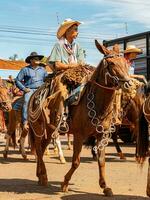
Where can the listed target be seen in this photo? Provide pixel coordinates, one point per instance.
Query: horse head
(5, 100)
(113, 69)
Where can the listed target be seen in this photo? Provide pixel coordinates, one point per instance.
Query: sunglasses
(36, 58)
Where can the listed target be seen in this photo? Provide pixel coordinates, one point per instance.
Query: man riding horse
(66, 54)
(29, 79)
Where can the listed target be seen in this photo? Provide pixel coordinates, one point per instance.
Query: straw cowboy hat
(33, 55)
(66, 24)
(132, 49)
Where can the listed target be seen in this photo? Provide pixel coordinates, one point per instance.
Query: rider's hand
(144, 79)
(26, 90)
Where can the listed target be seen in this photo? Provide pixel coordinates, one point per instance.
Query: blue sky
(31, 25)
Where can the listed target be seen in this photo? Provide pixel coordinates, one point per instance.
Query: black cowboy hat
(33, 55)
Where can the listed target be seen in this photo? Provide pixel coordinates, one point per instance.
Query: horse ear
(116, 48)
(101, 48)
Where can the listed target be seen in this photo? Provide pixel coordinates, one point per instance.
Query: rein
(103, 87)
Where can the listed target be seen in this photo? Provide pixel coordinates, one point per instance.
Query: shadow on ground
(21, 186)
(88, 196)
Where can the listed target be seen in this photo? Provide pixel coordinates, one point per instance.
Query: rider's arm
(55, 59)
(61, 66)
(19, 79)
(139, 76)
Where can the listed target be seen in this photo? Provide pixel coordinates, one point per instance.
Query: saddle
(73, 77)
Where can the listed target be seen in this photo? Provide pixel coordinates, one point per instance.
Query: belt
(34, 88)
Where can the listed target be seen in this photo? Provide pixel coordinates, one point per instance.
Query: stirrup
(63, 125)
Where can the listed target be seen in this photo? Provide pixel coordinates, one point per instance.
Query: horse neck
(103, 97)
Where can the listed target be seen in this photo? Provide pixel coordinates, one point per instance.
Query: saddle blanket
(17, 105)
(75, 95)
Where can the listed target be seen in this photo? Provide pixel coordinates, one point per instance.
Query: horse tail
(142, 142)
(13, 138)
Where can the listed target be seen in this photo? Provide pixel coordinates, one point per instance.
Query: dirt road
(18, 180)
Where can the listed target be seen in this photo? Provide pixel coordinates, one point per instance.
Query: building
(9, 67)
(141, 40)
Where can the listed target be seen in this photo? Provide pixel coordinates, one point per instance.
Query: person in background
(130, 54)
(29, 79)
(66, 54)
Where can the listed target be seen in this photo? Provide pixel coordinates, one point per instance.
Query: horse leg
(69, 142)
(93, 150)
(41, 170)
(119, 151)
(101, 163)
(47, 151)
(8, 137)
(22, 141)
(55, 146)
(148, 179)
(77, 146)
(60, 152)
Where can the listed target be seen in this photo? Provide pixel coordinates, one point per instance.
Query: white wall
(4, 73)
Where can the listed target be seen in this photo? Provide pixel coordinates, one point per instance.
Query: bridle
(3, 104)
(114, 79)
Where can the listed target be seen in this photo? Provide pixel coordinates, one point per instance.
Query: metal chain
(43, 130)
(95, 121)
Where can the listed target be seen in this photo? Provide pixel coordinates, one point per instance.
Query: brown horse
(15, 124)
(5, 100)
(143, 137)
(98, 96)
(14, 119)
(131, 109)
(5, 105)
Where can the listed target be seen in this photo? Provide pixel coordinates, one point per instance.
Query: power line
(38, 31)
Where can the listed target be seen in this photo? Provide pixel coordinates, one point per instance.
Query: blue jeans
(25, 104)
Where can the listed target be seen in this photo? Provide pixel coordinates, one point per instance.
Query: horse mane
(96, 71)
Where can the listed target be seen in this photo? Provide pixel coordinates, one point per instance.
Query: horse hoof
(62, 160)
(55, 150)
(5, 155)
(69, 148)
(108, 192)
(64, 187)
(43, 181)
(148, 193)
(121, 155)
(24, 157)
(47, 153)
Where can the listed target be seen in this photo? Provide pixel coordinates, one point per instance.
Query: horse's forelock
(116, 48)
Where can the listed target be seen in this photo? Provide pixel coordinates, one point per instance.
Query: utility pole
(57, 18)
(126, 28)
